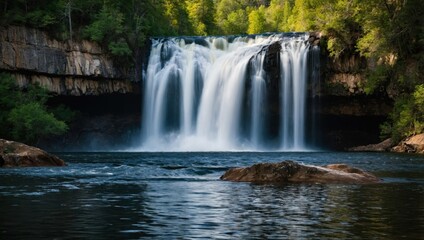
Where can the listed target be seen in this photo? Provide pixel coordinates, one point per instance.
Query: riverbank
(413, 144)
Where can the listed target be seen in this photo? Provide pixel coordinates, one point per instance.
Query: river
(179, 195)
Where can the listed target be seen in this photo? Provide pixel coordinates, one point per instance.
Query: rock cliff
(348, 116)
(81, 76)
(63, 67)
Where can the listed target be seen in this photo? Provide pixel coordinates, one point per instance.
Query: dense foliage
(24, 115)
(407, 117)
(387, 32)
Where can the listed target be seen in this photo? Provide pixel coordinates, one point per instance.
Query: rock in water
(15, 154)
(293, 172)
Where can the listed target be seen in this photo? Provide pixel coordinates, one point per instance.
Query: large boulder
(15, 154)
(293, 172)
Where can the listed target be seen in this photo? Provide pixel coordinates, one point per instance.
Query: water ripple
(179, 195)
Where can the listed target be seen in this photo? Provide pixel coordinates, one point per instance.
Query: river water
(179, 196)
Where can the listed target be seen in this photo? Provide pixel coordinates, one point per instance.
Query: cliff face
(84, 78)
(348, 116)
(342, 89)
(65, 68)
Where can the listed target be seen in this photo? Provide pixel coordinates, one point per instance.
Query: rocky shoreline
(413, 144)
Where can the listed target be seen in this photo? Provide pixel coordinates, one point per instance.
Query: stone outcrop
(414, 144)
(292, 172)
(63, 67)
(345, 75)
(314, 38)
(379, 147)
(14, 154)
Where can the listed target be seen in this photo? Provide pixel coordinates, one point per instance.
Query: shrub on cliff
(31, 121)
(407, 118)
(24, 115)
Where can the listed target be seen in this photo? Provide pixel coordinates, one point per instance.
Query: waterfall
(293, 64)
(215, 94)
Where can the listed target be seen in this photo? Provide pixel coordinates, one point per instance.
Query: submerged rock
(293, 172)
(15, 154)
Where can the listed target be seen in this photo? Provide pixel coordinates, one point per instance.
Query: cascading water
(213, 94)
(293, 64)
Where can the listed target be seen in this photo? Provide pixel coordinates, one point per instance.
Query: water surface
(180, 196)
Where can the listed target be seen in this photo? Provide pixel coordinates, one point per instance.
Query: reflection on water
(178, 195)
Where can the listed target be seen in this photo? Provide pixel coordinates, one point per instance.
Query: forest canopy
(387, 32)
(370, 27)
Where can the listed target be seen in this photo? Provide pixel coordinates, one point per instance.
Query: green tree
(407, 117)
(393, 35)
(231, 17)
(107, 24)
(299, 21)
(287, 9)
(257, 21)
(337, 21)
(177, 16)
(123, 27)
(31, 121)
(237, 22)
(275, 11)
(24, 115)
(10, 96)
(40, 14)
(200, 14)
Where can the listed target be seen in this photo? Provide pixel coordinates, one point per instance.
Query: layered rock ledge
(15, 154)
(293, 172)
(64, 67)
